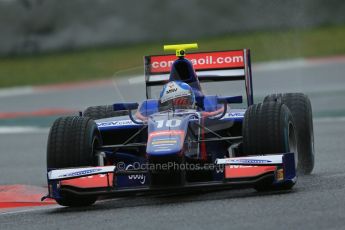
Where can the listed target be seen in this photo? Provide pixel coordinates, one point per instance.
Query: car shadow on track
(165, 199)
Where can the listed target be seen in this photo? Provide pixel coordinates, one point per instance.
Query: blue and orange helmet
(177, 95)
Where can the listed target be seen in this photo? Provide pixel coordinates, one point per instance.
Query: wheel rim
(293, 143)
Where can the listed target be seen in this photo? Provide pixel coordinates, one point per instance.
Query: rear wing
(209, 66)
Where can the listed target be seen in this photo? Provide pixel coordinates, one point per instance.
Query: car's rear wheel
(71, 143)
(268, 128)
(301, 110)
(103, 111)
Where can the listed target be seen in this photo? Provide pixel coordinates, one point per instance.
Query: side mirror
(128, 106)
(230, 100)
(125, 106)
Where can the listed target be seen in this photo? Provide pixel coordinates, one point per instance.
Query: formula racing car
(180, 138)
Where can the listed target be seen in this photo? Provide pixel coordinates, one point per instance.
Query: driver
(180, 95)
(176, 95)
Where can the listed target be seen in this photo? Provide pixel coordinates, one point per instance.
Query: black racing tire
(268, 128)
(71, 143)
(264, 129)
(301, 110)
(103, 111)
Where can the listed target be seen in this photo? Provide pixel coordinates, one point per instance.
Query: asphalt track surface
(316, 202)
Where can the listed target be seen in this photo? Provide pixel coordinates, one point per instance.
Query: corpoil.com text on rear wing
(209, 66)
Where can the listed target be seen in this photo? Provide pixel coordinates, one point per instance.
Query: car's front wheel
(268, 128)
(71, 143)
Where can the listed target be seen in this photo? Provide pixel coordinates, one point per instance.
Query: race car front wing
(234, 172)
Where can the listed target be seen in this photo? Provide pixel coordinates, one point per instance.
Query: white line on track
(329, 119)
(22, 129)
(39, 208)
(281, 65)
(16, 91)
(136, 80)
(27, 209)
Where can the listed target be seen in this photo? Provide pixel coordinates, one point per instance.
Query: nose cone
(165, 142)
(166, 134)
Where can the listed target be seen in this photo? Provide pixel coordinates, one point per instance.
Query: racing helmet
(177, 95)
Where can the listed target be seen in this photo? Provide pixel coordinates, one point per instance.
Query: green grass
(97, 63)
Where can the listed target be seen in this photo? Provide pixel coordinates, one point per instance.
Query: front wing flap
(281, 166)
(106, 180)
